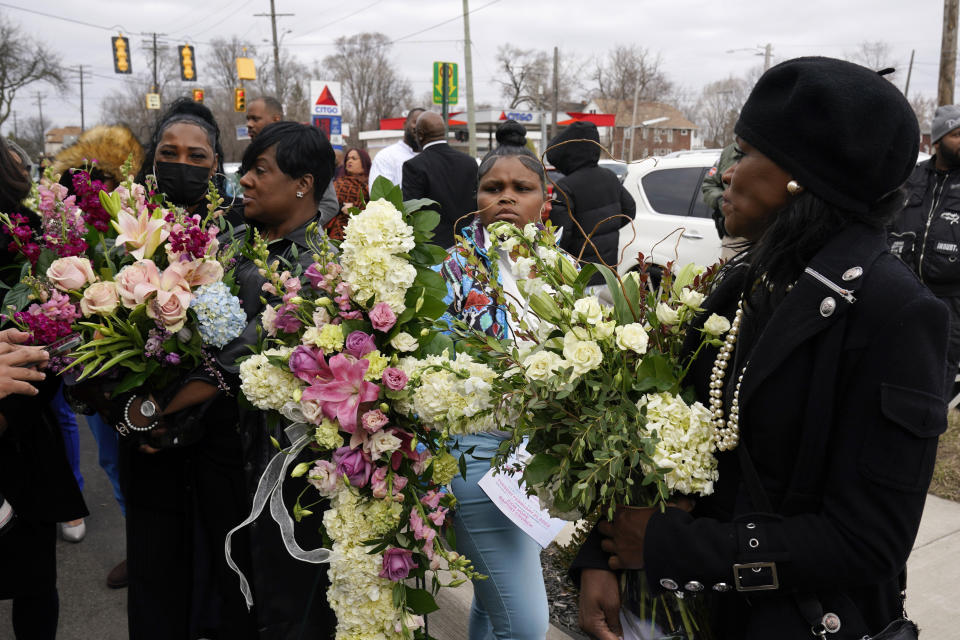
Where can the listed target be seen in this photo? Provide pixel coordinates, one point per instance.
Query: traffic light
(239, 99)
(188, 66)
(121, 54)
(198, 95)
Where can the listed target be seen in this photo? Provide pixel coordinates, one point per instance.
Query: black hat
(841, 130)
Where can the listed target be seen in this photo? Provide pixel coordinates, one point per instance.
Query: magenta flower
(353, 464)
(395, 379)
(314, 275)
(341, 396)
(397, 564)
(382, 317)
(359, 344)
(308, 364)
(405, 450)
(287, 320)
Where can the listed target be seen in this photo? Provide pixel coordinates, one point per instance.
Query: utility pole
(556, 91)
(43, 130)
(948, 54)
(83, 124)
(273, 15)
(906, 88)
(15, 134)
(468, 76)
(633, 121)
(154, 48)
(767, 56)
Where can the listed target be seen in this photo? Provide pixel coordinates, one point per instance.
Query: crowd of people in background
(850, 358)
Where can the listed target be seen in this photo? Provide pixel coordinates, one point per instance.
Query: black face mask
(183, 184)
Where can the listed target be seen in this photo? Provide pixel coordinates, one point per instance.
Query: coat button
(721, 587)
(693, 586)
(668, 583)
(831, 622)
(852, 274)
(827, 307)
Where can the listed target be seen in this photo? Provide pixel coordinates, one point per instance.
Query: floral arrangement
(350, 352)
(598, 388)
(146, 285)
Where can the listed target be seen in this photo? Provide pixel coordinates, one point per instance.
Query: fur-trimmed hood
(109, 145)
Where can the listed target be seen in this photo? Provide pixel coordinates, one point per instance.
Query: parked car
(672, 222)
(231, 170)
(619, 167)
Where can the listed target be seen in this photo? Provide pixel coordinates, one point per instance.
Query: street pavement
(89, 610)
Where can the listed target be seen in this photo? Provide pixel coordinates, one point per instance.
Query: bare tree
(30, 136)
(372, 87)
(924, 108)
(875, 55)
(24, 61)
(525, 75)
(718, 109)
(631, 68)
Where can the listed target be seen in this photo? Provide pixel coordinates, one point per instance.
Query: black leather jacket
(926, 234)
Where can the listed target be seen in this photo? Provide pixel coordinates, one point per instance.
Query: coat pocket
(900, 452)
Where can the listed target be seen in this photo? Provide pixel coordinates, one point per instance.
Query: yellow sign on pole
(246, 69)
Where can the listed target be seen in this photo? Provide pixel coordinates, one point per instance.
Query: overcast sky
(692, 36)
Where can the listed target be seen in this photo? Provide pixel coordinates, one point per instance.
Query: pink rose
(131, 276)
(324, 477)
(353, 464)
(170, 307)
(395, 379)
(373, 420)
(397, 564)
(71, 273)
(359, 344)
(99, 298)
(382, 317)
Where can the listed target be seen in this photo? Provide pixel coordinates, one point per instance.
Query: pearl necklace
(726, 432)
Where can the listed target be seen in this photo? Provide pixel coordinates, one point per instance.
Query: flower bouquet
(348, 355)
(597, 392)
(146, 286)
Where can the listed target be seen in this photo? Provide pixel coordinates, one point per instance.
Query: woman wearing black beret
(829, 397)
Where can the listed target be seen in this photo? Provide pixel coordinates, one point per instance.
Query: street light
(766, 51)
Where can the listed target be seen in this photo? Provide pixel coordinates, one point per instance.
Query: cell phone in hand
(64, 345)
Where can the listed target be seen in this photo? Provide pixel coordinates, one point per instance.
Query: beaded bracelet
(126, 418)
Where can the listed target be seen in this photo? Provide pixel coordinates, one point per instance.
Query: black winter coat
(591, 196)
(840, 407)
(449, 177)
(926, 234)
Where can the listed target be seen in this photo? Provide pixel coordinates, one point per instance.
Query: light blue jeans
(511, 604)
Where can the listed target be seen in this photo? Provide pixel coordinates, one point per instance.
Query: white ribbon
(271, 487)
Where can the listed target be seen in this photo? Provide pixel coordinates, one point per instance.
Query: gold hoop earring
(793, 187)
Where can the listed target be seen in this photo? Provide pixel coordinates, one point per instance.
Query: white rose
(100, 298)
(522, 267)
(666, 315)
(604, 330)
(691, 298)
(589, 309)
(381, 443)
(509, 244)
(632, 337)
(716, 325)
(321, 317)
(548, 255)
(405, 342)
(541, 365)
(582, 355)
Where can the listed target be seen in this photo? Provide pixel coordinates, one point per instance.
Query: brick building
(675, 133)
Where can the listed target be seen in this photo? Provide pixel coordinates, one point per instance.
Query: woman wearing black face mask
(185, 155)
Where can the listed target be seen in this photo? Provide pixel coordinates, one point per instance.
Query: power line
(440, 24)
(349, 15)
(56, 17)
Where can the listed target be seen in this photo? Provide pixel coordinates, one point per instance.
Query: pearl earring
(299, 194)
(793, 187)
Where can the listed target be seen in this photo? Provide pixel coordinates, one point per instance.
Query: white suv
(672, 222)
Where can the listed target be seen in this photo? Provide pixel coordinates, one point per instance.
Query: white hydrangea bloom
(266, 386)
(686, 446)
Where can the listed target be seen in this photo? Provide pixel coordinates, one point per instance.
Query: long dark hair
(190, 112)
(14, 183)
(797, 233)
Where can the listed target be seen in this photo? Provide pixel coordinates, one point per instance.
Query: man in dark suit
(441, 174)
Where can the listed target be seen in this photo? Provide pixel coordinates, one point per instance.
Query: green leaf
(383, 188)
(437, 345)
(432, 281)
(621, 310)
(586, 272)
(425, 221)
(540, 468)
(411, 206)
(18, 297)
(420, 601)
(132, 382)
(44, 261)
